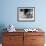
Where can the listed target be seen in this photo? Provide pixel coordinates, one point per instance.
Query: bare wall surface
(8, 13)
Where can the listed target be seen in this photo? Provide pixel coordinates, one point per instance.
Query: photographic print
(26, 13)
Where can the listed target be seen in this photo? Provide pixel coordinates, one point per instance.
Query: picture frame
(26, 14)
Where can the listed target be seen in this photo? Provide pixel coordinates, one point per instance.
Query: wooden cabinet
(13, 39)
(34, 39)
(23, 39)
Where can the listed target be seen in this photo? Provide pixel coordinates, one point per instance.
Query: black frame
(25, 8)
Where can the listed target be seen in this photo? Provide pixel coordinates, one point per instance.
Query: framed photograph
(26, 14)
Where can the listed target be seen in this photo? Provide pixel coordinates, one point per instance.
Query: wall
(9, 13)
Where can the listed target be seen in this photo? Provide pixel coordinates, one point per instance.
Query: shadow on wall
(2, 26)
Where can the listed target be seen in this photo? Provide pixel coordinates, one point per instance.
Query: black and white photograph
(26, 13)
